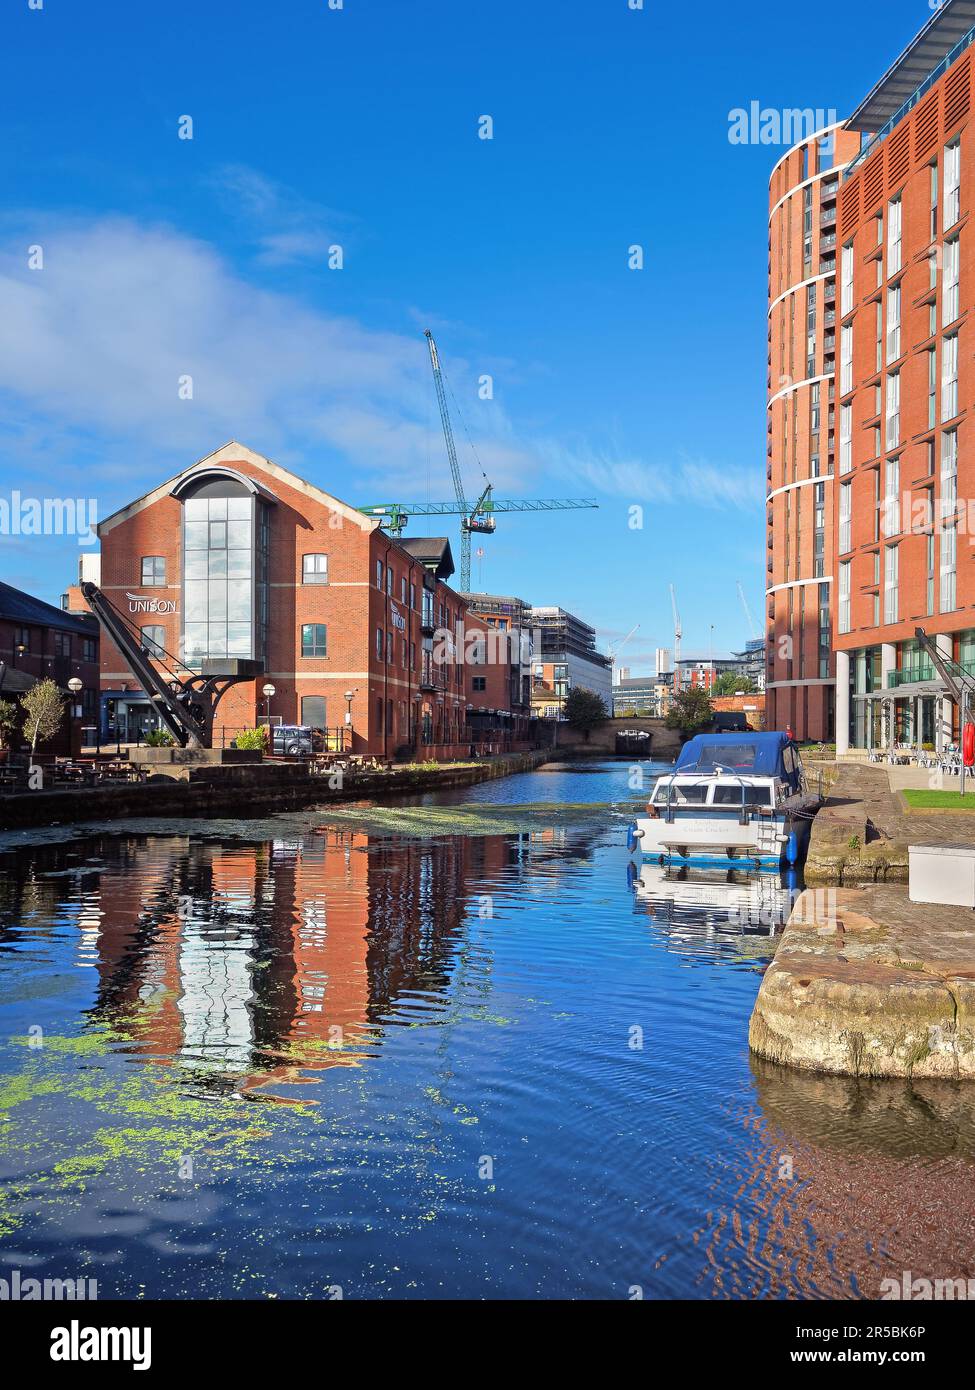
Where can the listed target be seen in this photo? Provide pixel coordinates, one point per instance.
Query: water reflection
(244, 963)
(706, 909)
(336, 1025)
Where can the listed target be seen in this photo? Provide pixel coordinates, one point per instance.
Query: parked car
(293, 740)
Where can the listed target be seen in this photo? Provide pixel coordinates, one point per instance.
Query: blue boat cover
(753, 754)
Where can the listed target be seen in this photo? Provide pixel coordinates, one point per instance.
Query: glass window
(238, 535)
(152, 638)
(844, 605)
(313, 640)
(222, 593)
(949, 377)
(153, 570)
(846, 279)
(894, 237)
(733, 796)
(314, 569)
(893, 323)
(949, 284)
(846, 490)
(893, 410)
(846, 438)
(681, 794)
(952, 183)
(890, 584)
(846, 358)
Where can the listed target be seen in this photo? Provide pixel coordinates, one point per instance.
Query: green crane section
(395, 515)
(477, 519)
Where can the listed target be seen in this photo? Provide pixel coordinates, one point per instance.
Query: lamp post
(267, 692)
(75, 686)
(349, 696)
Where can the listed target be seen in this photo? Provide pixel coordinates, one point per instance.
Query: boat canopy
(743, 755)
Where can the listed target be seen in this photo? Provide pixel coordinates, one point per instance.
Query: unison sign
(139, 604)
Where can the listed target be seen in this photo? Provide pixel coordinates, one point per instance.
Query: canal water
(457, 1048)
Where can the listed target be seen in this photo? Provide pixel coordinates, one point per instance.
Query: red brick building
(41, 642)
(239, 557)
(801, 425)
(905, 470)
(499, 690)
(870, 389)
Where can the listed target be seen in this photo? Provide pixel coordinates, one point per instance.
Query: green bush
(253, 740)
(159, 738)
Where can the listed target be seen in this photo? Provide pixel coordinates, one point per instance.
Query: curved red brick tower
(801, 441)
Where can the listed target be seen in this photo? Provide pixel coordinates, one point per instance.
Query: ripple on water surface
(451, 1048)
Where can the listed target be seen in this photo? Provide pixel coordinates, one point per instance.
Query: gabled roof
(18, 607)
(226, 456)
(433, 552)
(13, 681)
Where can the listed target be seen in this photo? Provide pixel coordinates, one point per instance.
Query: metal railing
(933, 76)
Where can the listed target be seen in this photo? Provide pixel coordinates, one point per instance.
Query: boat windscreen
(740, 756)
(742, 794)
(681, 794)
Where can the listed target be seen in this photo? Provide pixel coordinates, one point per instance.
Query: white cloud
(95, 344)
(93, 348)
(682, 480)
(285, 227)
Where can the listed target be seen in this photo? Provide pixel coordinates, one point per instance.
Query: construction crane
(480, 517)
(678, 634)
(470, 520)
(748, 611)
(395, 515)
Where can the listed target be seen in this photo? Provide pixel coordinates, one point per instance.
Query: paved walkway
(863, 832)
(864, 981)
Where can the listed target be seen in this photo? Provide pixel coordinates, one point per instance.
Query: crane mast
(481, 517)
(469, 521)
(678, 634)
(748, 611)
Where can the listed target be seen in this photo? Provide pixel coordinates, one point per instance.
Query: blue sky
(358, 127)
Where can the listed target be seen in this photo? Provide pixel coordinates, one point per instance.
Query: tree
(730, 683)
(8, 721)
(584, 709)
(690, 710)
(44, 707)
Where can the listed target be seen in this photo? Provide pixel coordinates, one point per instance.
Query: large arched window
(225, 591)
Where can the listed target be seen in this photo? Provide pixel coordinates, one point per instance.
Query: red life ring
(968, 745)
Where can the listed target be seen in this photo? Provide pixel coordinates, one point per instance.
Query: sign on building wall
(140, 604)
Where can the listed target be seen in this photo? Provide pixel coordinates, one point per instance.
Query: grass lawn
(924, 800)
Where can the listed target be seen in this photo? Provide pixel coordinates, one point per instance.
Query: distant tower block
(661, 661)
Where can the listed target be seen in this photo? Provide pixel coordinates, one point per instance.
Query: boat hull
(718, 842)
